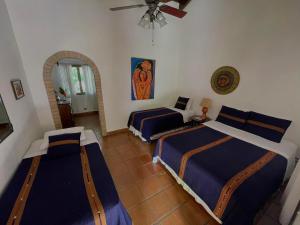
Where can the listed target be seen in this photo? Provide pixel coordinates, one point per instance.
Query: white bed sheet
(187, 114)
(35, 150)
(286, 148)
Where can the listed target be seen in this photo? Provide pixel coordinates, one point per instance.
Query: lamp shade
(206, 102)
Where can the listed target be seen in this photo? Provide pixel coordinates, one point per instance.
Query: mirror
(6, 127)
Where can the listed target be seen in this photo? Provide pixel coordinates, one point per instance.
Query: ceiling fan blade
(127, 7)
(182, 3)
(172, 11)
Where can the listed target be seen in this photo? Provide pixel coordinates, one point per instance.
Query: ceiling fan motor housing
(149, 2)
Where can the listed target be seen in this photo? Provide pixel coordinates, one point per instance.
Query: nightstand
(196, 121)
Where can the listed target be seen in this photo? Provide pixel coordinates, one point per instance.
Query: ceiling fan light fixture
(160, 16)
(162, 23)
(145, 21)
(147, 16)
(152, 26)
(142, 23)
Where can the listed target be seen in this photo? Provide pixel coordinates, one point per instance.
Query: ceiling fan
(154, 12)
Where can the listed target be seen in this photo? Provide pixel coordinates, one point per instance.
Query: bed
(230, 172)
(151, 124)
(72, 189)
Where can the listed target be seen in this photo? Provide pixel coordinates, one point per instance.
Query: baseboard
(117, 131)
(85, 114)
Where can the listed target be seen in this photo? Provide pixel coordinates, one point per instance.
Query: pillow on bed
(267, 127)
(189, 104)
(71, 130)
(182, 103)
(232, 117)
(64, 144)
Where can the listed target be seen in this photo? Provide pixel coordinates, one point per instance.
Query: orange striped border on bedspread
(267, 126)
(236, 181)
(63, 142)
(232, 117)
(154, 117)
(163, 138)
(94, 200)
(19, 206)
(147, 110)
(193, 152)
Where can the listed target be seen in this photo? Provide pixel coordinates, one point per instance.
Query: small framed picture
(17, 88)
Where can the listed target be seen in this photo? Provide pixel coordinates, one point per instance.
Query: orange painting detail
(142, 79)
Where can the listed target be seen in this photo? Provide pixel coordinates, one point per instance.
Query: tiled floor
(149, 193)
(89, 122)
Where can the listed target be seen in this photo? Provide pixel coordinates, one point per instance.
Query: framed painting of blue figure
(142, 78)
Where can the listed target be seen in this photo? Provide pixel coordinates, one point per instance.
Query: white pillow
(71, 130)
(189, 104)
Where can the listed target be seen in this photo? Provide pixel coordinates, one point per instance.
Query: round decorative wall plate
(225, 80)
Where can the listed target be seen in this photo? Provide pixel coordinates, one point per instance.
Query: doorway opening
(74, 91)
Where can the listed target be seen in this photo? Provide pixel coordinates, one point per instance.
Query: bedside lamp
(205, 104)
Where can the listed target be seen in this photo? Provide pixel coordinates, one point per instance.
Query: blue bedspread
(154, 121)
(74, 189)
(234, 178)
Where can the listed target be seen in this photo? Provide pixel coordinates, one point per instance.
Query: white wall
(21, 113)
(109, 39)
(133, 41)
(260, 39)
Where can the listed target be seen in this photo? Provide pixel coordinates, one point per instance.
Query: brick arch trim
(47, 75)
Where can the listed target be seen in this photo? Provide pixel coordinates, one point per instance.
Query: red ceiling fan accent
(172, 11)
(182, 3)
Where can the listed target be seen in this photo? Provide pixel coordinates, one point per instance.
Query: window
(77, 80)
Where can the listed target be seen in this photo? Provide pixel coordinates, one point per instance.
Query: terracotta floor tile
(145, 158)
(161, 206)
(124, 179)
(141, 172)
(152, 185)
(108, 148)
(117, 168)
(131, 196)
(148, 191)
(113, 157)
(142, 215)
(195, 214)
(129, 155)
(155, 167)
(176, 194)
(166, 179)
(138, 161)
(175, 218)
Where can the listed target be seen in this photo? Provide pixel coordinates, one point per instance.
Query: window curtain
(62, 76)
(88, 77)
(90, 88)
(61, 79)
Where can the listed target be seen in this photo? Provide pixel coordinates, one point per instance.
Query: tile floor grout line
(151, 196)
(160, 219)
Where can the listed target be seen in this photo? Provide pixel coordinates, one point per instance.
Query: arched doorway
(47, 70)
